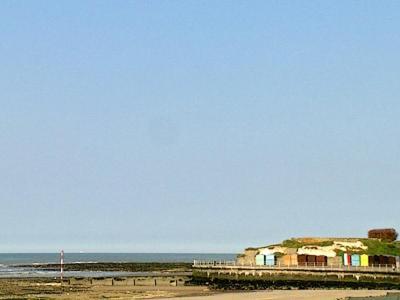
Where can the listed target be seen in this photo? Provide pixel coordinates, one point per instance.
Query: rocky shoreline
(287, 282)
(114, 267)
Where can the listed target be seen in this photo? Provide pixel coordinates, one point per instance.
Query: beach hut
(355, 260)
(287, 260)
(364, 260)
(392, 261)
(311, 260)
(336, 261)
(270, 260)
(302, 259)
(260, 260)
(373, 260)
(346, 259)
(383, 260)
(293, 259)
(321, 260)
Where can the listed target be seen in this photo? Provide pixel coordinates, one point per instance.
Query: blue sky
(196, 126)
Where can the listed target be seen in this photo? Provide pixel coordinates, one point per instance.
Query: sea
(21, 264)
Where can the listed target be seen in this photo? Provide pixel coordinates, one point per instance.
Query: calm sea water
(10, 263)
(31, 258)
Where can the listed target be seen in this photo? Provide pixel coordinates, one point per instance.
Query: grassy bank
(376, 247)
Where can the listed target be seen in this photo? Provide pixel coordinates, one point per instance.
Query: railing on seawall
(223, 264)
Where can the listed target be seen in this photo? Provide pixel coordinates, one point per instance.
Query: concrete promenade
(234, 267)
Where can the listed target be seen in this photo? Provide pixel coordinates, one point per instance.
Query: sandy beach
(36, 288)
(47, 288)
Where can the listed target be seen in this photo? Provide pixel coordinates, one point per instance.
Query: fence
(307, 266)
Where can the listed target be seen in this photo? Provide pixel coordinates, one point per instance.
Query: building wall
(288, 260)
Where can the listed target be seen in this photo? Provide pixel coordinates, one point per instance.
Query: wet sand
(45, 288)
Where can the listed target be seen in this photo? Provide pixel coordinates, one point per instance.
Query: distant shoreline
(94, 270)
(114, 266)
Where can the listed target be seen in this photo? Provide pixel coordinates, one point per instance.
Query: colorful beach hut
(355, 260)
(364, 260)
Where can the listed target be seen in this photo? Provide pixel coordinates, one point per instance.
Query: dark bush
(386, 234)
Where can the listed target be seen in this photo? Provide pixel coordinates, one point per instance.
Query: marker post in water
(62, 264)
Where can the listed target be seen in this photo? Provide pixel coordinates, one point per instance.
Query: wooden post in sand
(62, 265)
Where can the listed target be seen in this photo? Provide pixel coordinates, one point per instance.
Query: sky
(196, 126)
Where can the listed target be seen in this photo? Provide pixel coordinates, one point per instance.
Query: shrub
(385, 234)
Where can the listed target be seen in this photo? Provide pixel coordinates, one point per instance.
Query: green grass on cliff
(293, 243)
(377, 247)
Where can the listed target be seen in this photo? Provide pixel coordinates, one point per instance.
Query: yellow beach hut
(364, 260)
